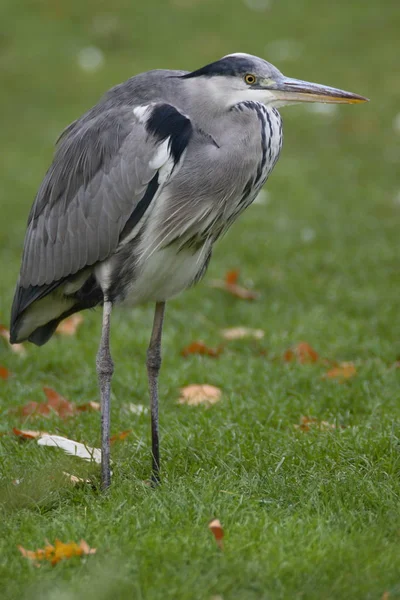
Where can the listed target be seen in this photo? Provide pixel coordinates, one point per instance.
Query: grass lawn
(311, 515)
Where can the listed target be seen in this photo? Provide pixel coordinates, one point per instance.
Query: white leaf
(71, 447)
(138, 409)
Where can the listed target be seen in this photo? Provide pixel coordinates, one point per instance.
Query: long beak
(295, 90)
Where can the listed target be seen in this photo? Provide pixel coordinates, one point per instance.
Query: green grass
(306, 515)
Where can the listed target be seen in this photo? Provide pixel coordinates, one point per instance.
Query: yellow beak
(295, 90)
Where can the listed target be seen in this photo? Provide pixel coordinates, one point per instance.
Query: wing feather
(98, 187)
(101, 170)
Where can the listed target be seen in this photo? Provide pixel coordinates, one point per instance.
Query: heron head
(240, 77)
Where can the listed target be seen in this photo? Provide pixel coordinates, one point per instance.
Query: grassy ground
(307, 514)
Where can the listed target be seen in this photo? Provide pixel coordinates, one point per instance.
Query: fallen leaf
(71, 447)
(195, 394)
(229, 284)
(70, 325)
(58, 403)
(385, 595)
(88, 406)
(120, 436)
(55, 404)
(28, 434)
(200, 348)
(59, 551)
(138, 409)
(241, 292)
(232, 277)
(85, 548)
(344, 370)
(17, 348)
(306, 423)
(216, 529)
(302, 353)
(74, 479)
(34, 408)
(239, 333)
(4, 373)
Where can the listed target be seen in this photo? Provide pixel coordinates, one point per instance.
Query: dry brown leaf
(239, 333)
(306, 423)
(229, 284)
(120, 436)
(4, 373)
(216, 529)
(236, 290)
(195, 394)
(88, 406)
(74, 479)
(57, 404)
(59, 551)
(70, 325)
(232, 277)
(28, 434)
(17, 348)
(31, 409)
(200, 347)
(344, 370)
(385, 595)
(302, 353)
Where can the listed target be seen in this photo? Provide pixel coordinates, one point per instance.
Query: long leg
(153, 368)
(105, 369)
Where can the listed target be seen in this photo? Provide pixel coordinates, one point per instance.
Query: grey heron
(139, 190)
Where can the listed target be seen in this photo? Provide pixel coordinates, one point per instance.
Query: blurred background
(322, 241)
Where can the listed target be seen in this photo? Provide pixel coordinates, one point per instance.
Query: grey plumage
(142, 186)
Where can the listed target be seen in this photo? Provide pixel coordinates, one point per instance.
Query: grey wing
(101, 173)
(106, 171)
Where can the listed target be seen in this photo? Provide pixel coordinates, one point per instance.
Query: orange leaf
(59, 551)
(120, 436)
(239, 333)
(241, 292)
(17, 348)
(216, 529)
(200, 348)
(4, 373)
(31, 554)
(195, 394)
(229, 284)
(34, 408)
(302, 352)
(306, 423)
(60, 405)
(88, 406)
(344, 370)
(231, 277)
(28, 434)
(55, 404)
(70, 325)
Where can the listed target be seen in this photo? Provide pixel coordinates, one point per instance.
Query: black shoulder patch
(230, 66)
(166, 121)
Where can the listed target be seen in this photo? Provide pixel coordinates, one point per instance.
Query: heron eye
(250, 79)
